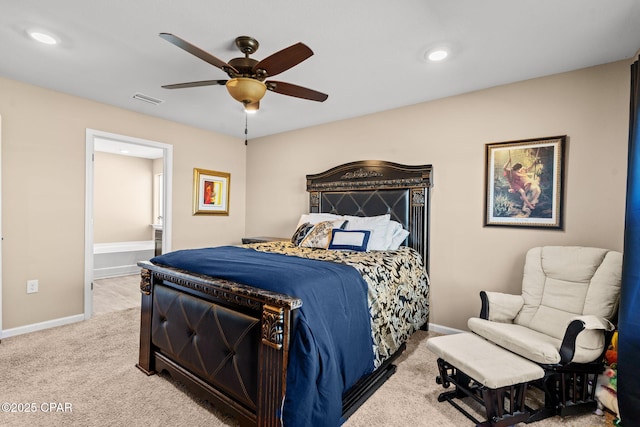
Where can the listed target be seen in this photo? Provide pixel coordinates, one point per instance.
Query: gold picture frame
(210, 192)
(524, 183)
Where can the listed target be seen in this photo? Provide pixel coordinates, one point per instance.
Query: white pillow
(378, 240)
(314, 218)
(393, 227)
(398, 235)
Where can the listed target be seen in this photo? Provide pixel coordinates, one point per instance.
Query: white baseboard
(443, 329)
(137, 246)
(120, 270)
(40, 326)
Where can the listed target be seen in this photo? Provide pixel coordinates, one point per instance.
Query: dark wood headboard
(375, 187)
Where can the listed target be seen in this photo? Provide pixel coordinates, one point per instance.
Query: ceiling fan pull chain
(246, 116)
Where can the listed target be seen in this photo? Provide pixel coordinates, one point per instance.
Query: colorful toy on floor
(607, 386)
(611, 355)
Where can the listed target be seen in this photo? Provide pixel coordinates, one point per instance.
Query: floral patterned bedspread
(398, 289)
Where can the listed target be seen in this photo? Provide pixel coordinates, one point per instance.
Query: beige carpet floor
(116, 293)
(84, 375)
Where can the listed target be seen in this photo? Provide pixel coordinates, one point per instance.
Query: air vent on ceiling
(147, 98)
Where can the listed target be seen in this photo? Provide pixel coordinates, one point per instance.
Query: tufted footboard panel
(217, 344)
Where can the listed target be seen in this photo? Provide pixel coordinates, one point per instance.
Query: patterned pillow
(320, 234)
(301, 233)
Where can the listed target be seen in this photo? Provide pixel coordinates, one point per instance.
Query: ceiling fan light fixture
(246, 90)
(251, 108)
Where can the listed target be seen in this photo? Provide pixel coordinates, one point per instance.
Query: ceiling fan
(247, 76)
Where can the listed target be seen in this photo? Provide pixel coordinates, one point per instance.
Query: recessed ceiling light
(43, 37)
(437, 55)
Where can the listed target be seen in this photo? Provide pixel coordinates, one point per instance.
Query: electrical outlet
(32, 286)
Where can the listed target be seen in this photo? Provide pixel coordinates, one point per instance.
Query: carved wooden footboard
(227, 342)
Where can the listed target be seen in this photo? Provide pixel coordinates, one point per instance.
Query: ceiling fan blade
(284, 59)
(195, 84)
(194, 50)
(297, 91)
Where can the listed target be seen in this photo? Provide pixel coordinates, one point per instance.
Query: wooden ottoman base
(489, 374)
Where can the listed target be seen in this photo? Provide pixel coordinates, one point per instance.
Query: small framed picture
(210, 192)
(524, 182)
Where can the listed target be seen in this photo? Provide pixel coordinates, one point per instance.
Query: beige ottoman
(493, 376)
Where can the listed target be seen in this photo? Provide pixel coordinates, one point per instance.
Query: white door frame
(91, 134)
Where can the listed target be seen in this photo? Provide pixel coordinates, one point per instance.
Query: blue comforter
(331, 346)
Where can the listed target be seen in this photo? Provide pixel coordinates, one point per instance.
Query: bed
(237, 343)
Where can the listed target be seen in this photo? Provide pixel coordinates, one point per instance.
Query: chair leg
(448, 375)
(566, 393)
(578, 392)
(549, 385)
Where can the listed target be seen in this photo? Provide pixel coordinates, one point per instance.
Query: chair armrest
(594, 322)
(577, 325)
(500, 307)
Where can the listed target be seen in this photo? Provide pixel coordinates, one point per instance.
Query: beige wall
(43, 177)
(43, 180)
(590, 106)
(123, 198)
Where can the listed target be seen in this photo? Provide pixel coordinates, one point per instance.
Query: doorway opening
(105, 142)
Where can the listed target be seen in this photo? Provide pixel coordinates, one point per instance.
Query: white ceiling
(368, 54)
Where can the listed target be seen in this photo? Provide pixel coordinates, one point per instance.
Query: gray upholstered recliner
(562, 321)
